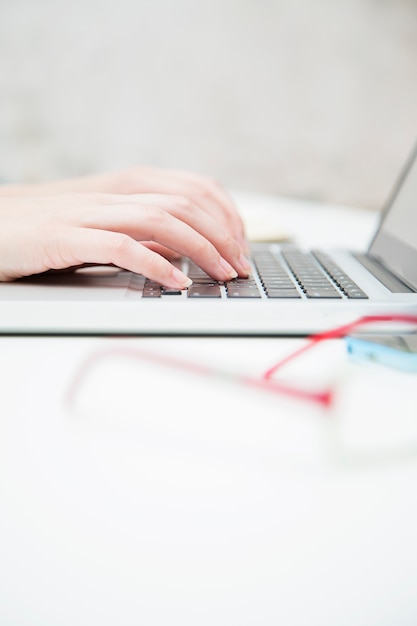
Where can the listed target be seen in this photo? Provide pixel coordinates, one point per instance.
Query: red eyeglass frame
(266, 382)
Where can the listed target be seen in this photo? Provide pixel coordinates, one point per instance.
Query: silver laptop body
(292, 291)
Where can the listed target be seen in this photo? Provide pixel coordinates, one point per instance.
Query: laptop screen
(395, 243)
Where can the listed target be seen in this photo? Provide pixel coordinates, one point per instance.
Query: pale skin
(139, 219)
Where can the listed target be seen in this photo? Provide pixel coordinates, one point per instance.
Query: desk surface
(150, 494)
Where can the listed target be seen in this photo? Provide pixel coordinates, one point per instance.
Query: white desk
(163, 497)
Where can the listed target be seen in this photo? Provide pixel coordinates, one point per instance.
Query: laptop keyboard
(295, 274)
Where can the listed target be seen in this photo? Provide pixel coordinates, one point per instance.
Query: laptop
(292, 291)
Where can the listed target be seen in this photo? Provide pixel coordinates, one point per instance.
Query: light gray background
(311, 98)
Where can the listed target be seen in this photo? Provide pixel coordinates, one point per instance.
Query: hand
(56, 232)
(203, 191)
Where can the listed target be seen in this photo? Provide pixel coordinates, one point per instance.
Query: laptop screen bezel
(398, 256)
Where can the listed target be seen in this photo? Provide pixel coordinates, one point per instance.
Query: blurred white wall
(305, 98)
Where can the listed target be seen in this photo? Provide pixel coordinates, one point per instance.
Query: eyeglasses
(334, 333)
(337, 444)
(266, 382)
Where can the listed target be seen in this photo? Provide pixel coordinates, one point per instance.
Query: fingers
(88, 245)
(175, 223)
(203, 191)
(155, 223)
(210, 194)
(134, 232)
(162, 250)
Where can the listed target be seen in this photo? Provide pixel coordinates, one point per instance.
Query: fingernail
(231, 273)
(181, 280)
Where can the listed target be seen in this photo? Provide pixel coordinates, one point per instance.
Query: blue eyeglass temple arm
(397, 351)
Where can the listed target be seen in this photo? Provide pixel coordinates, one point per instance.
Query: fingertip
(181, 280)
(228, 269)
(245, 264)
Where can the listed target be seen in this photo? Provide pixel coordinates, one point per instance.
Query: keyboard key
(357, 293)
(171, 292)
(346, 284)
(323, 293)
(242, 282)
(287, 282)
(204, 291)
(243, 292)
(151, 292)
(283, 293)
(294, 275)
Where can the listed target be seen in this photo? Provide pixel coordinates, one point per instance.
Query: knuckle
(121, 246)
(227, 241)
(153, 217)
(184, 204)
(203, 248)
(153, 214)
(203, 190)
